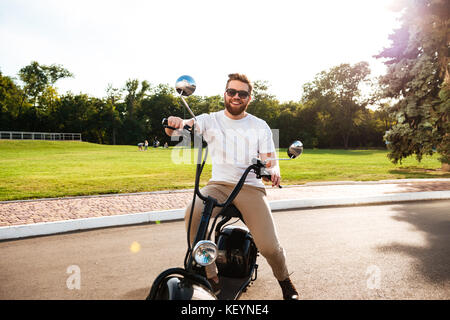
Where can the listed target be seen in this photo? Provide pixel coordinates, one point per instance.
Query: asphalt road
(396, 251)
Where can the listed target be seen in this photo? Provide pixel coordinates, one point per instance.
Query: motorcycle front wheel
(169, 285)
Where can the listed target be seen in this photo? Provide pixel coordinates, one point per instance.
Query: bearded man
(234, 138)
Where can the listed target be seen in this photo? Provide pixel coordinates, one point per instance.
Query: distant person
(166, 145)
(146, 145)
(140, 145)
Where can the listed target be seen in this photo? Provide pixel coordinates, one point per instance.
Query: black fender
(178, 284)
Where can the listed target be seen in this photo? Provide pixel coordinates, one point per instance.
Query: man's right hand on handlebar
(177, 122)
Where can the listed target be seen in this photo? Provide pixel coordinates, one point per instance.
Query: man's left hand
(275, 176)
(272, 167)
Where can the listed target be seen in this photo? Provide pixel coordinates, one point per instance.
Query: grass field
(41, 169)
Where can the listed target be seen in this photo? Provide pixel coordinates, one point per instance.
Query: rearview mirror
(295, 149)
(185, 85)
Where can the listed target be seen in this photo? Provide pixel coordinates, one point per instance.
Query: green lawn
(40, 169)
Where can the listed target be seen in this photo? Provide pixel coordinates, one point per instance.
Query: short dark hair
(240, 77)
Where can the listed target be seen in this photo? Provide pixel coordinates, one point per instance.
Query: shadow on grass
(342, 152)
(419, 173)
(433, 220)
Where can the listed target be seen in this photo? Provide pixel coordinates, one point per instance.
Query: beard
(235, 110)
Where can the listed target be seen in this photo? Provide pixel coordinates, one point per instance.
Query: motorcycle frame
(210, 202)
(189, 272)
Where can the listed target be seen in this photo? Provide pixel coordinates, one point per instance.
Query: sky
(285, 43)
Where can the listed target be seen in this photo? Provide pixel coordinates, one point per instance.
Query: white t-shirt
(232, 144)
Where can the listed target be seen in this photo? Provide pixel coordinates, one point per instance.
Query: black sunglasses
(241, 93)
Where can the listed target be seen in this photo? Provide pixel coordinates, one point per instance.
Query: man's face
(236, 105)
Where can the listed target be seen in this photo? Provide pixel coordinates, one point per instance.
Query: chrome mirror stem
(187, 106)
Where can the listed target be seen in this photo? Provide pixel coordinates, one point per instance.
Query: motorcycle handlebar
(257, 166)
(165, 125)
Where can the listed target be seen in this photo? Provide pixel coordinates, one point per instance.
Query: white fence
(18, 135)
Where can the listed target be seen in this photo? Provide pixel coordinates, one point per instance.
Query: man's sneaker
(289, 291)
(216, 286)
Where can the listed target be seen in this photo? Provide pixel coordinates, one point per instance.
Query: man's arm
(273, 168)
(178, 123)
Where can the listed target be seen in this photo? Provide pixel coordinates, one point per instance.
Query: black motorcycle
(233, 249)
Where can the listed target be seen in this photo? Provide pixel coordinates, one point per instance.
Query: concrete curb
(48, 228)
(307, 184)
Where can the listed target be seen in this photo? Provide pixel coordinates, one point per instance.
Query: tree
(264, 105)
(38, 79)
(133, 125)
(161, 104)
(11, 108)
(113, 97)
(81, 113)
(418, 80)
(134, 96)
(297, 122)
(338, 99)
(201, 105)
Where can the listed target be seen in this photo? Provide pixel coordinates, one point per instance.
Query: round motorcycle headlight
(205, 252)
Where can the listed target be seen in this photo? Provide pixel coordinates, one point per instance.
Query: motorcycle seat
(232, 212)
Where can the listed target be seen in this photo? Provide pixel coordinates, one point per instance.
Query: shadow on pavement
(138, 294)
(433, 220)
(426, 186)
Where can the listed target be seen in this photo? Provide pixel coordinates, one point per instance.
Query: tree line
(331, 114)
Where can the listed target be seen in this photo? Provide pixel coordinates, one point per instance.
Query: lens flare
(135, 247)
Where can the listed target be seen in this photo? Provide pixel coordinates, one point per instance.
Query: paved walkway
(51, 210)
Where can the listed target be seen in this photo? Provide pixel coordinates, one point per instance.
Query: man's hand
(273, 168)
(275, 176)
(177, 122)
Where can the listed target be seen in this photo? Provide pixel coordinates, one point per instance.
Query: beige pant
(253, 205)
